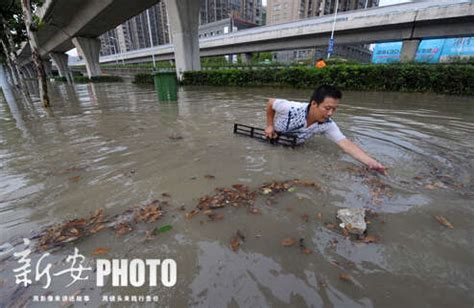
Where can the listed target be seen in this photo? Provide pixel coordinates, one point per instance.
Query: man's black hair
(325, 91)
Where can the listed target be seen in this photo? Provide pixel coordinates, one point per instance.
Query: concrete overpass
(409, 22)
(78, 23)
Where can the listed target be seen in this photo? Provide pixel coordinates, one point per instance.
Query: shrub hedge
(143, 78)
(438, 78)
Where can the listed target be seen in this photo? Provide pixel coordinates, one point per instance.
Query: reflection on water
(113, 146)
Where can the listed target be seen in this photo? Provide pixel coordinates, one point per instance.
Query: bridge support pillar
(89, 49)
(60, 60)
(184, 23)
(246, 57)
(409, 49)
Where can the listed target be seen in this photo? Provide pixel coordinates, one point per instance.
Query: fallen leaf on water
(435, 185)
(191, 214)
(75, 178)
(97, 216)
(100, 251)
(254, 210)
(289, 241)
(74, 231)
(303, 247)
(149, 213)
(369, 239)
(163, 229)
(292, 189)
(123, 228)
(345, 277)
(236, 240)
(234, 243)
(96, 228)
(216, 216)
(209, 177)
(240, 187)
(442, 220)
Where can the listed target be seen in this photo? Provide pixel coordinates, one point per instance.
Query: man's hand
(270, 132)
(354, 151)
(376, 166)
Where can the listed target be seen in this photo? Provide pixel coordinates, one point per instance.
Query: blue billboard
(430, 51)
(387, 52)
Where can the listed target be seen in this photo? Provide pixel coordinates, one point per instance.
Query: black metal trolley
(259, 134)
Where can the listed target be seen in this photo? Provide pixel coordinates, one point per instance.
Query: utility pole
(151, 37)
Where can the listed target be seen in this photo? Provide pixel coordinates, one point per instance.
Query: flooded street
(115, 146)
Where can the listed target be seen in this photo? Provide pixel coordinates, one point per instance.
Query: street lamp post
(114, 51)
(119, 49)
(331, 40)
(151, 37)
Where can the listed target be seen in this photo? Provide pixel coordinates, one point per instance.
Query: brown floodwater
(114, 146)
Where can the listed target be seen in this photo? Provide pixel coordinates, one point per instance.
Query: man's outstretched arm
(353, 150)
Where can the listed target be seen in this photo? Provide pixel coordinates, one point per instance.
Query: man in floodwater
(305, 120)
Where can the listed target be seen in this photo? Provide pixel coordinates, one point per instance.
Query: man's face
(326, 109)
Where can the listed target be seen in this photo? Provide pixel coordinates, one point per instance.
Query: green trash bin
(166, 85)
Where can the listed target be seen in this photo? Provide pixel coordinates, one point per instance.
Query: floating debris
(435, 185)
(378, 188)
(287, 242)
(254, 210)
(69, 231)
(303, 247)
(175, 137)
(305, 217)
(100, 251)
(443, 221)
(238, 196)
(72, 230)
(368, 239)
(345, 277)
(191, 214)
(352, 220)
(160, 230)
(149, 213)
(236, 240)
(75, 178)
(123, 228)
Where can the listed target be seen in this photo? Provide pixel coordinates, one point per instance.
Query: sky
(73, 52)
